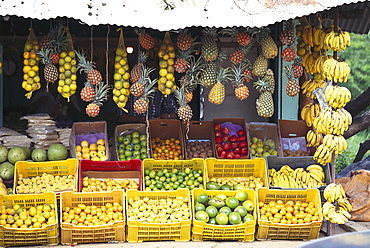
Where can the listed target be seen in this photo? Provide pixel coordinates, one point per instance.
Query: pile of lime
(172, 179)
(224, 210)
(131, 146)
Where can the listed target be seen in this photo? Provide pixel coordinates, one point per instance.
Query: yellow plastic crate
(72, 234)
(243, 232)
(267, 230)
(157, 165)
(232, 168)
(48, 235)
(138, 231)
(56, 168)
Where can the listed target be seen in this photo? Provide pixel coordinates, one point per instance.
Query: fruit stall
(250, 155)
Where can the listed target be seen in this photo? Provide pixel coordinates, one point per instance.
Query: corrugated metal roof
(166, 15)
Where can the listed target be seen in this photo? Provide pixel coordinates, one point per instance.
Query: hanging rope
(107, 56)
(91, 44)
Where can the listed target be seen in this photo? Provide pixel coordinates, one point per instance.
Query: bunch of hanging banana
(336, 143)
(286, 177)
(309, 61)
(309, 113)
(335, 70)
(337, 41)
(319, 62)
(313, 138)
(310, 85)
(323, 155)
(337, 208)
(331, 121)
(337, 96)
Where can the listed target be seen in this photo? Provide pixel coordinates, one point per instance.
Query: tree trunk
(355, 106)
(364, 147)
(359, 124)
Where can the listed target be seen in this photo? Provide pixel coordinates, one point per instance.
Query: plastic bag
(121, 89)
(166, 54)
(31, 79)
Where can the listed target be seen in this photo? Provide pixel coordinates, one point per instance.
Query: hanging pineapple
(184, 112)
(87, 93)
(141, 104)
(265, 102)
(260, 66)
(166, 54)
(247, 65)
(50, 70)
(209, 50)
(292, 88)
(31, 78)
(101, 95)
(217, 92)
(67, 84)
(137, 88)
(121, 89)
(241, 91)
(182, 61)
(145, 40)
(287, 37)
(268, 45)
(242, 36)
(137, 68)
(88, 67)
(184, 41)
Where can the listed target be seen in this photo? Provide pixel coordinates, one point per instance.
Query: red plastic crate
(131, 168)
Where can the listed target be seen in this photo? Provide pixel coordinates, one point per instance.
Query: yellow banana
(314, 167)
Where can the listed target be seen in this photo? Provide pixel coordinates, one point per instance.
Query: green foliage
(347, 157)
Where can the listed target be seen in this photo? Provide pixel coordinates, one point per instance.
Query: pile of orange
(94, 151)
(290, 212)
(165, 149)
(85, 215)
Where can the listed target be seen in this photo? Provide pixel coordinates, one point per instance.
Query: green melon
(16, 154)
(57, 152)
(3, 153)
(7, 171)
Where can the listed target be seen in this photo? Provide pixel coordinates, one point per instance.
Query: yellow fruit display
(31, 79)
(238, 183)
(34, 217)
(166, 54)
(90, 184)
(93, 215)
(44, 183)
(94, 151)
(164, 210)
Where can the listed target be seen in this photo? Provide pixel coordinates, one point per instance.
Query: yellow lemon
(26, 69)
(122, 62)
(84, 143)
(169, 76)
(73, 86)
(162, 63)
(117, 76)
(117, 65)
(121, 71)
(126, 76)
(162, 72)
(170, 62)
(118, 85)
(61, 82)
(122, 98)
(66, 88)
(100, 142)
(71, 54)
(166, 56)
(126, 85)
(172, 55)
(67, 66)
(73, 77)
(85, 149)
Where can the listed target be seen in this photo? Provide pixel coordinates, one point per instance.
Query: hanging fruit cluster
(94, 91)
(121, 89)
(327, 114)
(166, 54)
(67, 84)
(31, 78)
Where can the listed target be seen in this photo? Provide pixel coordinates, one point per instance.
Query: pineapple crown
(262, 85)
(144, 77)
(101, 93)
(149, 89)
(180, 96)
(222, 55)
(184, 54)
(44, 54)
(83, 64)
(288, 70)
(139, 31)
(261, 33)
(210, 32)
(297, 61)
(223, 74)
(233, 32)
(238, 75)
(142, 57)
(248, 64)
(58, 38)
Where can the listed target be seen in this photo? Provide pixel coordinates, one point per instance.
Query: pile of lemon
(39, 216)
(166, 54)
(94, 151)
(121, 78)
(31, 78)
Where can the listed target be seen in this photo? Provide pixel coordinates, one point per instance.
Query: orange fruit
(84, 143)
(93, 147)
(100, 142)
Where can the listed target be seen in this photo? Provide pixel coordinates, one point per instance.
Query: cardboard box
(126, 129)
(97, 129)
(166, 129)
(237, 120)
(117, 170)
(198, 130)
(291, 130)
(265, 131)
